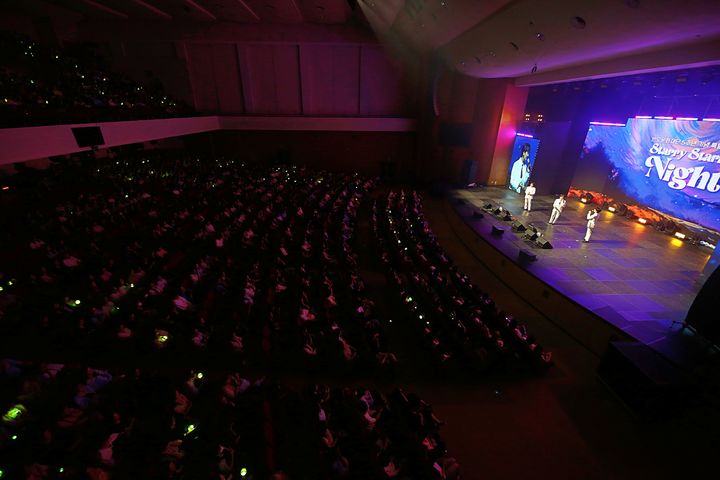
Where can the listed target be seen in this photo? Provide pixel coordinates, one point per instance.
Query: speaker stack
(542, 242)
(531, 234)
(518, 227)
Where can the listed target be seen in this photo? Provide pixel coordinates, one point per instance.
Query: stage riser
(585, 327)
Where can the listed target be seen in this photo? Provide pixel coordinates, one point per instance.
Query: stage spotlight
(584, 200)
(642, 220)
(680, 235)
(612, 209)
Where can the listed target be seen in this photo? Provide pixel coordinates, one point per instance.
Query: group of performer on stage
(557, 208)
(520, 180)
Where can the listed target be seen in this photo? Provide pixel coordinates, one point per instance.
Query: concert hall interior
(359, 239)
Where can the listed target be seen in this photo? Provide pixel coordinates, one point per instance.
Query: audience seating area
(175, 272)
(72, 421)
(457, 322)
(41, 85)
(186, 257)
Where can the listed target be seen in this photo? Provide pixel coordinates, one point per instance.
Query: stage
(634, 277)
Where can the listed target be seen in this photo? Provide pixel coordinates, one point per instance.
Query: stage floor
(631, 275)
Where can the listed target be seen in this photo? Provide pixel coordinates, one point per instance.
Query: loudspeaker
(469, 172)
(455, 134)
(488, 206)
(707, 300)
(518, 227)
(497, 211)
(477, 214)
(543, 242)
(531, 235)
(88, 136)
(497, 231)
(526, 256)
(507, 217)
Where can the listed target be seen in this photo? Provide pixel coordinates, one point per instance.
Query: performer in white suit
(591, 216)
(529, 194)
(557, 209)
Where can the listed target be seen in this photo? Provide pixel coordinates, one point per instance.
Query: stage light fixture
(711, 119)
(663, 118)
(680, 235)
(608, 124)
(612, 209)
(584, 200)
(686, 118)
(643, 116)
(642, 220)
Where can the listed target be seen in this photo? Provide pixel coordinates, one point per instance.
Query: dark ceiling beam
(249, 10)
(153, 9)
(201, 9)
(106, 9)
(297, 9)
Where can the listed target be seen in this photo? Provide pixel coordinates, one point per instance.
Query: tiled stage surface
(631, 275)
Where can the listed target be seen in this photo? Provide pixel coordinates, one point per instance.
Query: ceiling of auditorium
(526, 39)
(243, 11)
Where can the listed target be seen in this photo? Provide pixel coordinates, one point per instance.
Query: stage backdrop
(672, 166)
(522, 162)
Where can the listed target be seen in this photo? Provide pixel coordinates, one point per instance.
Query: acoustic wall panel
(330, 81)
(202, 76)
(270, 78)
(227, 78)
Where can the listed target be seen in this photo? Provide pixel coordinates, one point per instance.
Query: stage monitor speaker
(497, 211)
(526, 256)
(88, 136)
(507, 216)
(477, 214)
(497, 231)
(649, 384)
(518, 226)
(531, 235)
(543, 242)
(488, 206)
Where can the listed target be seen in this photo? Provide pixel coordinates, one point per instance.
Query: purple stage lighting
(608, 124)
(643, 116)
(711, 119)
(526, 135)
(685, 118)
(663, 118)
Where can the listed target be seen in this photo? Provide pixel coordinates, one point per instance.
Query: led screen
(522, 162)
(672, 166)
